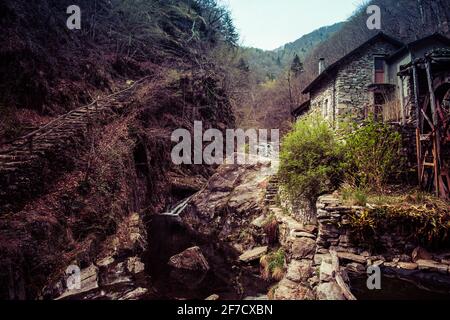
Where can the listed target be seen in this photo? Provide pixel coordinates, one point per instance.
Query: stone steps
(16, 162)
(299, 241)
(271, 192)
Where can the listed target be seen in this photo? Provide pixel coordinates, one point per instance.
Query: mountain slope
(86, 172)
(270, 64)
(307, 42)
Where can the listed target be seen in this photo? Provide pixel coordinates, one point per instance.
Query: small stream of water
(226, 277)
(415, 286)
(178, 209)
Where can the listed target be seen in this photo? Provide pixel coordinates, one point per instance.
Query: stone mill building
(407, 85)
(366, 79)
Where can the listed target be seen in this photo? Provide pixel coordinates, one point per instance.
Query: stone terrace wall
(335, 231)
(397, 252)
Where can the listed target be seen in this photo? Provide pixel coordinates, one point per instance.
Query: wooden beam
(419, 156)
(431, 93)
(402, 100)
(416, 95)
(436, 139)
(417, 109)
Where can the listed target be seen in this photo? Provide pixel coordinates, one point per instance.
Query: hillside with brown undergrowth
(90, 168)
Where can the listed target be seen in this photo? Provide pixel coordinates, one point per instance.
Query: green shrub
(311, 160)
(272, 265)
(373, 155)
(354, 196)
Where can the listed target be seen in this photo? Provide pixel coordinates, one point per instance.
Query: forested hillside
(271, 89)
(56, 69)
(87, 170)
(267, 65)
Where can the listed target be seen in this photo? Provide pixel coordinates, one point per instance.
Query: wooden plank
(416, 95)
(419, 155)
(436, 139)
(431, 93)
(436, 164)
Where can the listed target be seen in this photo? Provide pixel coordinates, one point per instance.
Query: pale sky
(269, 24)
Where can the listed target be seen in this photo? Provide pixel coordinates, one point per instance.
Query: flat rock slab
(299, 270)
(301, 234)
(88, 282)
(190, 259)
(253, 254)
(289, 290)
(351, 257)
(432, 265)
(408, 265)
(258, 298)
(303, 248)
(136, 294)
(356, 267)
(329, 291)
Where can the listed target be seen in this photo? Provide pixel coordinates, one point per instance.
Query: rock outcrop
(230, 201)
(299, 241)
(118, 273)
(253, 254)
(190, 259)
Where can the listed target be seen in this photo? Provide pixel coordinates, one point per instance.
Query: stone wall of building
(324, 98)
(352, 81)
(347, 91)
(409, 151)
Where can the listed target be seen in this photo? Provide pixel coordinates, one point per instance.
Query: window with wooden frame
(379, 63)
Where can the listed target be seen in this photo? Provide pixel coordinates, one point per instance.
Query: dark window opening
(379, 70)
(379, 101)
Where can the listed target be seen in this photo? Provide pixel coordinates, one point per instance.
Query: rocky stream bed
(209, 246)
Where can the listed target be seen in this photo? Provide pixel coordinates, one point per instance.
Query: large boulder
(299, 270)
(233, 186)
(231, 200)
(329, 291)
(303, 248)
(289, 290)
(190, 259)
